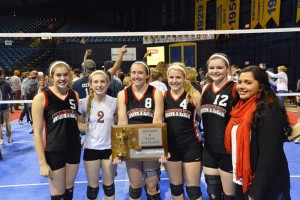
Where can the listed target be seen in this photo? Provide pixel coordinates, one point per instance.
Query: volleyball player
(131, 101)
(215, 109)
(97, 116)
(59, 152)
(181, 103)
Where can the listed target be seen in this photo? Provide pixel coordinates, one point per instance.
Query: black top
(60, 116)
(140, 111)
(268, 160)
(215, 109)
(181, 120)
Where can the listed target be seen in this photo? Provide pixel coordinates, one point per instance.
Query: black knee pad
(58, 197)
(228, 197)
(153, 197)
(109, 190)
(69, 193)
(176, 190)
(92, 193)
(135, 193)
(194, 192)
(214, 186)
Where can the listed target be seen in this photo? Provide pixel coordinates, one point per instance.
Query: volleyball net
(273, 47)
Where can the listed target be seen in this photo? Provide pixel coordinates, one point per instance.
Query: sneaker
(297, 141)
(31, 132)
(1, 158)
(1, 142)
(9, 140)
(20, 122)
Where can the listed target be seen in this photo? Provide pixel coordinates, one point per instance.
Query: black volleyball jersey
(182, 126)
(140, 111)
(60, 118)
(215, 109)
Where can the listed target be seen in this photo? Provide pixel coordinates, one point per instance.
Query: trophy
(139, 141)
(122, 141)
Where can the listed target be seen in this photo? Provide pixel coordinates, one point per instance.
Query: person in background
(254, 136)
(235, 70)
(127, 81)
(15, 82)
(58, 149)
(97, 144)
(215, 108)
(191, 75)
(81, 86)
(181, 104)
(115, 85)
(76, 75)
(24, 112)
(281, 82)
(31, 88)
(297, 140)
(5, 91)
(131, 101)
(157, 80)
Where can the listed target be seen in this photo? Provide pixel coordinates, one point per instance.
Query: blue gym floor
(20, 179)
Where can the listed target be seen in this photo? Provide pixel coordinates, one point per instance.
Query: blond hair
(91, 95)
(187, 86)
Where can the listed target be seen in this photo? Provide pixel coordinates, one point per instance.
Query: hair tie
(177, 67)
(220, 56)
(139, 62)
(56, 63)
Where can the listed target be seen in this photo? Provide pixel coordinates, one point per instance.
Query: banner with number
(200, 15)
(271, 10)
(227, 14)
(298, 11)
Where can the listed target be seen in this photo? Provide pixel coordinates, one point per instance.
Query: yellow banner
(270, 9)
(255, 13)
(227, 14)
(298, 12)
(200, 15)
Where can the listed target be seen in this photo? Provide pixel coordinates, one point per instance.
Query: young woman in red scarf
(255, 135)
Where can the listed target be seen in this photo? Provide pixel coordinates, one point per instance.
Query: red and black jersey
(140, 111)
(215, 109)
(180, 117)
(60, 118)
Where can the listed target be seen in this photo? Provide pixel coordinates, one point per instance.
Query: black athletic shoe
(31, 132)
(1, 158)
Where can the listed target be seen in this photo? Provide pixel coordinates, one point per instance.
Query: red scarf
(242, 115)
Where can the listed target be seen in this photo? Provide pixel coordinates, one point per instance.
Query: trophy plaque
(139, 141)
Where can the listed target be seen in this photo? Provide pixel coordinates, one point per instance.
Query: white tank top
(98, 136)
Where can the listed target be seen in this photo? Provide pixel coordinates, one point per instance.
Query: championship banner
(227, 14)
(270, 9)
(255, 13)
(200, 15)
(298, 11)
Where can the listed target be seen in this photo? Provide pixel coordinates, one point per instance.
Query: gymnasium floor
(20, 179)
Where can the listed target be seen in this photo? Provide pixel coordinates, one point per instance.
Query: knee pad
(194, 192)
(228, 197)
(176, 190)
(109, 190)
(214, 186)
(58, 197)
(92, 193)
(153, 197)
(69, 193)
(135, 193)
(150, 174)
